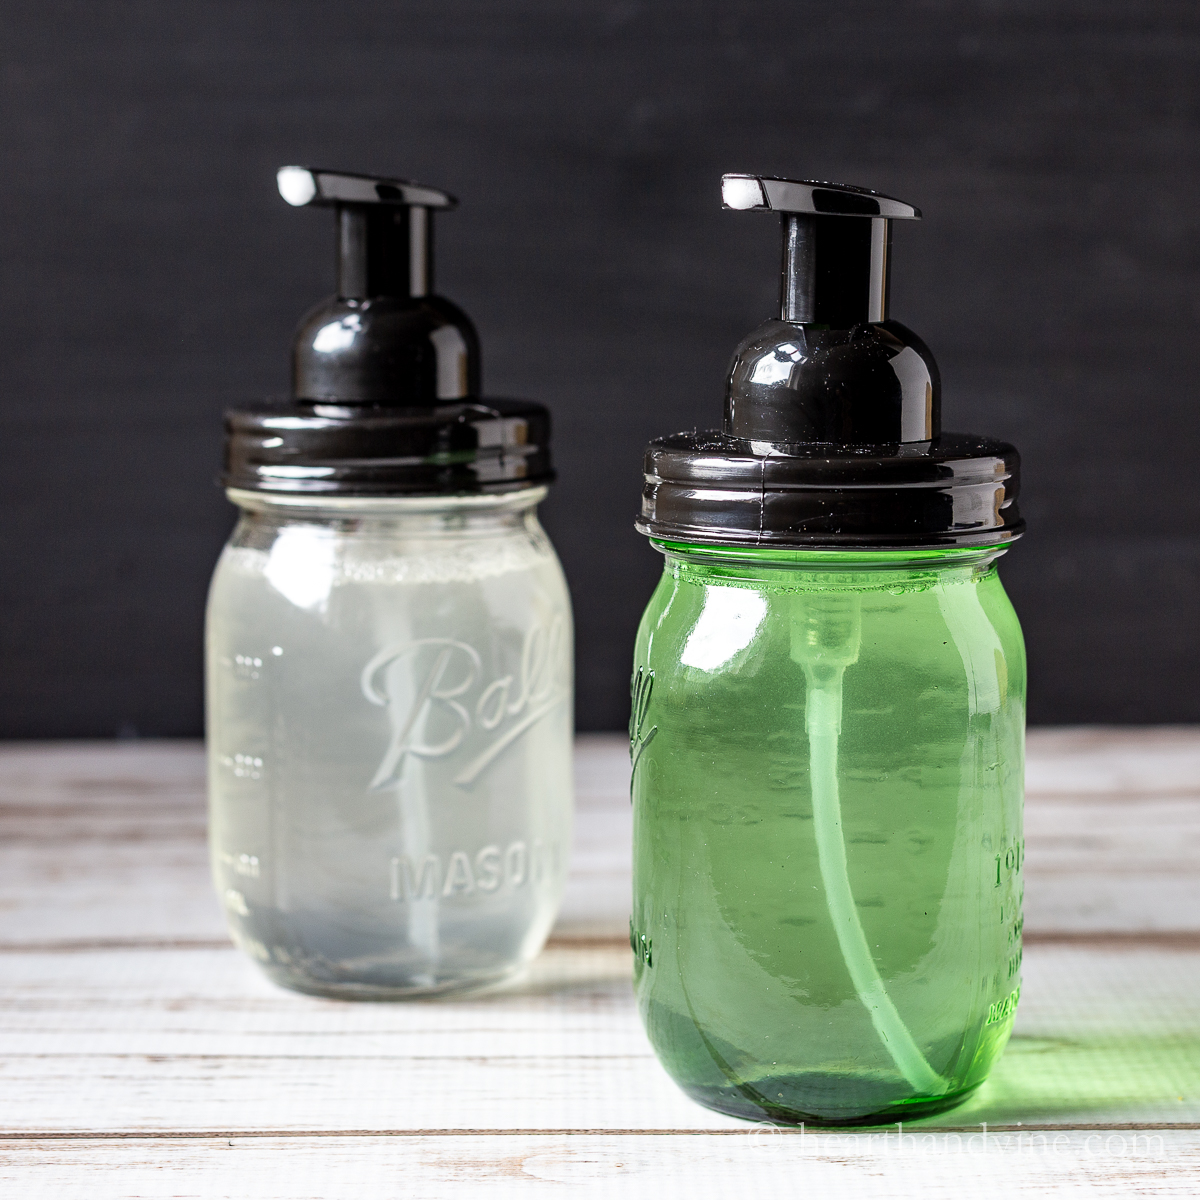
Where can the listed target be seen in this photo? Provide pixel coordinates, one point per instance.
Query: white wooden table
(142, 1056)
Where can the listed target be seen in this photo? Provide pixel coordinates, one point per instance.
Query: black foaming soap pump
(385, 373)
(832, 432)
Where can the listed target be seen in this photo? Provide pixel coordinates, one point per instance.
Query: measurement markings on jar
(243, 766)
(247, 666)
(241, 864)
(462, 874)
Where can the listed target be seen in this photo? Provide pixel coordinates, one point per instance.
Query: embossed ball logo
(438, 695)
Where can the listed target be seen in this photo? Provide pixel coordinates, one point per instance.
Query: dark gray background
(150, 276)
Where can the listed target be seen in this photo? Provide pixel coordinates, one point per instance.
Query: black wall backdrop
(151, 276)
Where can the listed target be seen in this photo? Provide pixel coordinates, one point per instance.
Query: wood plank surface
(141, 1055)
(746, 1163)
(93, 1039)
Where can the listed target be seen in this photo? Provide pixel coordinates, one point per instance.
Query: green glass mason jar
(827, 795)
(828, 710)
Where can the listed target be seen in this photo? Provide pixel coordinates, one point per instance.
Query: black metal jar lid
(832, 431)
(709, 487)
(386, 375)
(477, 446)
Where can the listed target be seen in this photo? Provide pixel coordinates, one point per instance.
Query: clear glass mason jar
(828, 757)
(389, 726)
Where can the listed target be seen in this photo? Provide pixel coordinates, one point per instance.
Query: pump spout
(385, 228)
(835, 264)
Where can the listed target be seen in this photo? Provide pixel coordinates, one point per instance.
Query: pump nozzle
(385, 338)
(832, 368)
(835, 270)
(385, 235)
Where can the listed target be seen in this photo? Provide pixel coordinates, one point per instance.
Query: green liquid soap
(827, 795)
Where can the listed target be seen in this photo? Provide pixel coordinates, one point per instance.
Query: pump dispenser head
(385, 338)
(832, 430)
(848, 375)
(385, 373)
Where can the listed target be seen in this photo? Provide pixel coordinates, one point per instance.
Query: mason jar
(827, 793)
(389, 730)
